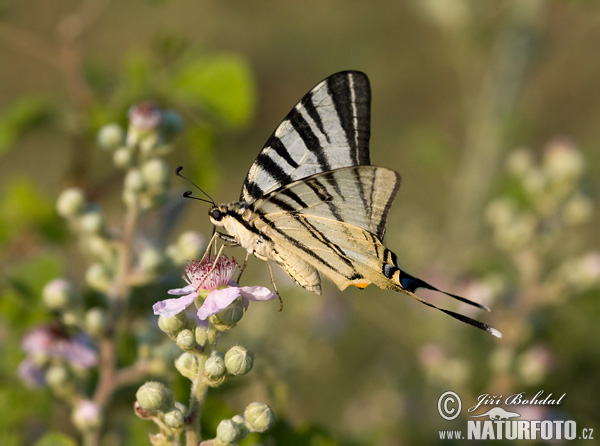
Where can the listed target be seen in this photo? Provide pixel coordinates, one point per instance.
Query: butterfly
(312, 202)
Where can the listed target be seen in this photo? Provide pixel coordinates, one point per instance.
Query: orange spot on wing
(361, 285)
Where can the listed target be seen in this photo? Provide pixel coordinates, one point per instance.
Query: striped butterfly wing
(331, 222)
(328, 129)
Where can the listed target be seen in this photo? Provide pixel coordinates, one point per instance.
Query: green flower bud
(228, 432)
(57, 376)
(519, 162)
(135, 181)
(174, 324)
(111, 136)
(174, 418)
(156, 172)
(71, 202)
(123, 157)
(92, 221)
(58, 294)
(95, 321)
(100, 248)
(154, 396)
(186, 340)
(259, 417)
(241, 424)
(151, 260)
(86, 416)
(98, 277)
(238, 360)
(190, 245)
(186, 365)
(214, 368)
(231, 315)
(201, 335)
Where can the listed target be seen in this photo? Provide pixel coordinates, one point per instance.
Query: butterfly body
(312, 203)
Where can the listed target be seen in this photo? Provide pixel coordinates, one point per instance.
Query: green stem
(199, 391)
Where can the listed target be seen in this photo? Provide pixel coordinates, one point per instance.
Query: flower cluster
(49, 347)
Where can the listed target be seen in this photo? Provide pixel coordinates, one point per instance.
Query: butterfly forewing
(326, 130)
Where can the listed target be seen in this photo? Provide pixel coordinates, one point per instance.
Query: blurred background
(489, 110)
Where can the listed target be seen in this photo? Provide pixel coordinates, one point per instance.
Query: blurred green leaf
(56, 439)
(23, 207)
(22, 115)
(223, 84)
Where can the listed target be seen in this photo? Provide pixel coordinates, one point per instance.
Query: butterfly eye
(216, 214)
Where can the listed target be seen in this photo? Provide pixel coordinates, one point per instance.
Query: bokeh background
(489, 110)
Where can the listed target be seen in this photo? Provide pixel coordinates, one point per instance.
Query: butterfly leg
(243, 267)
(275, 286)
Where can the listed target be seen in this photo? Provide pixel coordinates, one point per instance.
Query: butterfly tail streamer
(460, 317)
(408, 284)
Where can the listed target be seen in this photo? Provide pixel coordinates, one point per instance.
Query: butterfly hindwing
(332, 222)
(328, 129)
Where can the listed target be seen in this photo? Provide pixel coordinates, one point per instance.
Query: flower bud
(172, 325)
(190, 244)
(57, 376)
(238, 360)
(186, 340)
(214, 368)
(58, 294)
(98, 277)
(201, 335)
(231, 315)
(111, 136)
(151, 260)
(154, 396)
(186, 365)
(135, 181)
(92, 221)
(578, 209)
(71, 202)
(241, 424)
(259, 417)
(156, 172)
(123, 157)
(95, 321)
(86, 415)
(174, 418)
(519, 162)
(228, 432)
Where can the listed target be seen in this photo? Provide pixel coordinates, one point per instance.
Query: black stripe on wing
(354, 112)
(328, 129)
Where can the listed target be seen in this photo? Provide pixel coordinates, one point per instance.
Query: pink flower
(222, 289)
(52, 341)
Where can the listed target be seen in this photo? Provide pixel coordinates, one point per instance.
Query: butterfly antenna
(188, 194)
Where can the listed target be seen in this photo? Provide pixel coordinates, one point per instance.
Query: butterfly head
(217, 214)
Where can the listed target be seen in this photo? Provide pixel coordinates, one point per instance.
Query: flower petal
(181, 291)
(171, 307)
(257, 293)
(31, 374)
(218, 300)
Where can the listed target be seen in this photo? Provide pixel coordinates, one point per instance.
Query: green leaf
(22, 208)
(222, 84)
(56, 439)
(22, 115)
